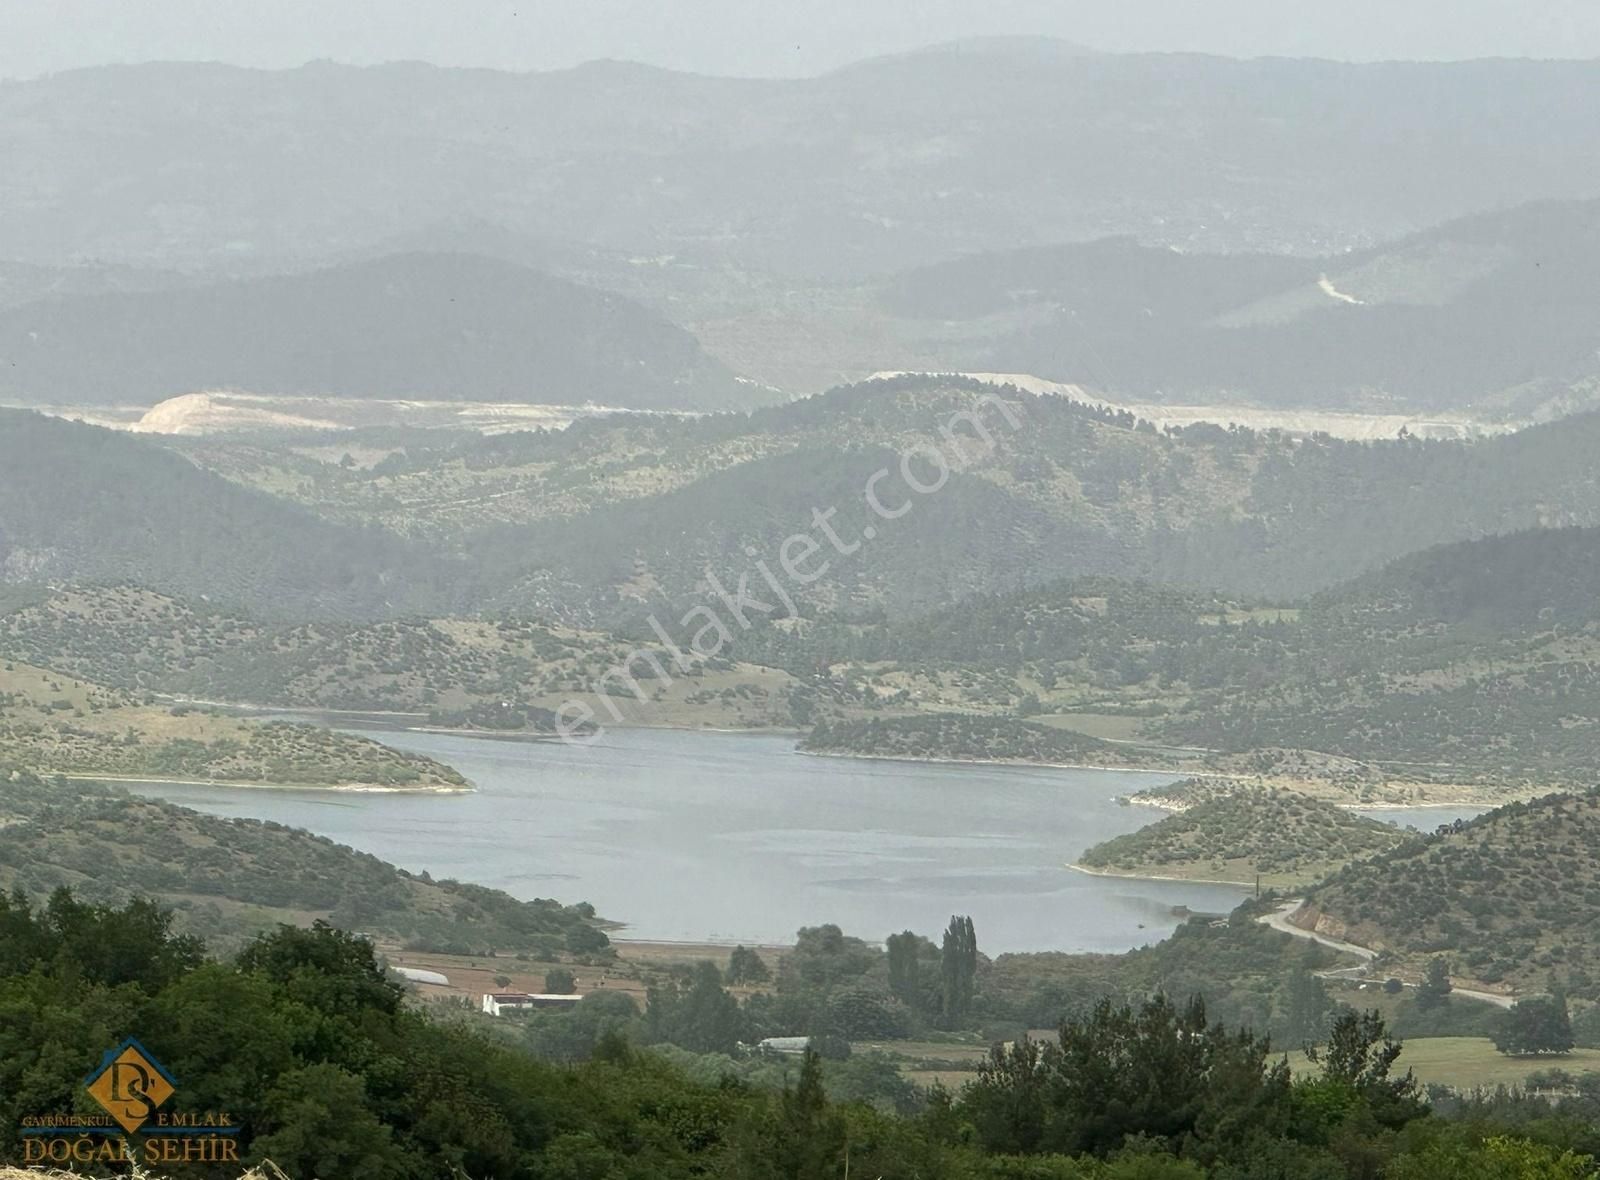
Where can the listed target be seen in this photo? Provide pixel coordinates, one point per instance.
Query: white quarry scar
(1329, 289)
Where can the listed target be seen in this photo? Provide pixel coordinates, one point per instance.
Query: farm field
(1465, 1063)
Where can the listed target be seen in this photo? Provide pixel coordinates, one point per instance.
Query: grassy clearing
(1467, 1062)
(1108, 727)
(950, 1079)
(743, 696)
(951, 1063)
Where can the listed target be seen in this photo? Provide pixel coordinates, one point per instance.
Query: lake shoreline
(700, 839)
(1319, 788)
(1130, 876)
(913, 758)
(330, 788)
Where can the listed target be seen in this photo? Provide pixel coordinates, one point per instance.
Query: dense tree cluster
(327, 1071)
(1536, 1024)
(957, 737)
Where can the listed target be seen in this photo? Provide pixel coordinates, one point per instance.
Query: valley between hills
(1003, 610)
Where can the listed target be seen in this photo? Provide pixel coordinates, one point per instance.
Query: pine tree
(1434, 991)
(810, 1142)
(1305, 1010)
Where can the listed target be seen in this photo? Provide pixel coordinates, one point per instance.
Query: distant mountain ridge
(867, 170)
(1494, 313)
(450, 327)
(613, 518)
(1074, 492)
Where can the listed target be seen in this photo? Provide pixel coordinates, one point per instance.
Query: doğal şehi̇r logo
(130, 1084)
(132, 1087)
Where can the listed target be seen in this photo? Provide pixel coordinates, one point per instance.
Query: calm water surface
(704, 836)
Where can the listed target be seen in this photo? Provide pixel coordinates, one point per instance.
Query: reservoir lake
(714, 837)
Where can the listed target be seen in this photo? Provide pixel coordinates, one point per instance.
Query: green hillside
(229, 879)
(615, 513)
(1068, 492)
(1100, 632)
(599, 524)
(497, 674)
(1473, 663)
(958, 737)
(59, 725)
(78, 503)
(1525, 582)
(1512, 898)
(1481, 657)
(1281, 838)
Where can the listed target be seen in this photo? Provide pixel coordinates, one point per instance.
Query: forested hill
(80, 503)
(59, 725)
(1492, 312)
(1533, 579)
(418, 326)
(1069, 492)
(231, 878)
(598, 524)
(500, 674)
(958, 737)
(1512, 897)
(1472, 664)
(1095, 624)
(1469, 659)
(1279, 837)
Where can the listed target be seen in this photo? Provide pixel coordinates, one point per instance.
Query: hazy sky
(762, 37)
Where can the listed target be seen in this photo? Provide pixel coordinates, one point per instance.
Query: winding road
(1278, 919)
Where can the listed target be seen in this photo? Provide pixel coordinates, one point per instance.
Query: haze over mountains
(614, 517)
(1493, 314)
(1404, 238)
(1417, 242)
(130, 510)
(875, 167)
(446, 436)
(449, 327)
(1489, 318)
